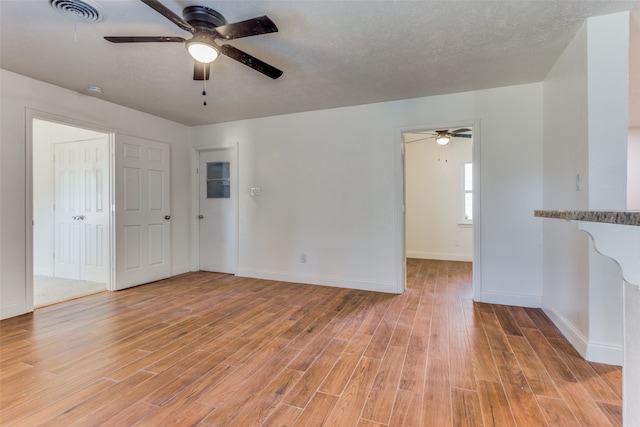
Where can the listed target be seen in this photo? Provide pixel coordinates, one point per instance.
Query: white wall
(633, 169)
(435, 201)
(329, 190)
(44, 135)
(585, 134)
(19, 94)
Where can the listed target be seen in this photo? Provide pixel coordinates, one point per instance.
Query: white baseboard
(440, 256)
(605, 353)
(591, 351)
(530, 301)
(323, 280)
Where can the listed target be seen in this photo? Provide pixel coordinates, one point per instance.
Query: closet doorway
(71, 229)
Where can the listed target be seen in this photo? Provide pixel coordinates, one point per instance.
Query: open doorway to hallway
(71, 217)
(439, 178)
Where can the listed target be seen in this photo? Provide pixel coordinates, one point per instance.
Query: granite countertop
(610, 217)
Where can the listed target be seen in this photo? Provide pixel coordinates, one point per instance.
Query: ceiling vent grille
(78, 10)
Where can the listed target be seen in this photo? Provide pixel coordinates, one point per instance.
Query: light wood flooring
(214, 349)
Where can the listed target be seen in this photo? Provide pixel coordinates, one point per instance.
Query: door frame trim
(399, 160)
(31, 115)
(194, 155)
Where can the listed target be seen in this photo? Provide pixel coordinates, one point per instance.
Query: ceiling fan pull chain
(204, 85)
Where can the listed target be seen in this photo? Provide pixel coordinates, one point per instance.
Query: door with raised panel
(81, 214)
(143, 215)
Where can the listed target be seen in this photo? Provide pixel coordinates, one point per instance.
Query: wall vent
(78, 10)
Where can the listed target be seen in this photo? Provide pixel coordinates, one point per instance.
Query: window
(468, 191)
(218, 180)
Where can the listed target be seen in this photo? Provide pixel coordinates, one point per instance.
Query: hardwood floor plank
(283, 416)
(522, 318)
(265, 402)
(32, 415)
(612, 412)
(77, 409)
(466, 408)
(612, 375)
(585, 409)
(554, 365)
(349, 405)
(484, 367)
(238, 386)
(557, 412)
(415, 362)
(317, 411)
(369, 423)
(309, 383)
(506, 320)
(533, 368)
(341, 372)
(495, 333)
(437, 399)
(495, 406)
(522, 401)
(543, 324)
(407, 409)
(379, 403)
(461, 361)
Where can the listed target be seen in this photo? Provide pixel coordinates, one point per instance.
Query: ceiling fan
(443, 137)
(207, 26)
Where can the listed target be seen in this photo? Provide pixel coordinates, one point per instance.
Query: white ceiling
(333, 53)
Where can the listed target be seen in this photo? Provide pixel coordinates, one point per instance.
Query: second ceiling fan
(443, 137)
(207, 26)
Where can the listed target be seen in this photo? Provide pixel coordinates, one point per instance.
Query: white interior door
(143, 227)
(216, 175)
(66, 205)
(81, 215)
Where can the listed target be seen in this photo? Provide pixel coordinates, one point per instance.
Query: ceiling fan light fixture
(443, 139)
(202, 50)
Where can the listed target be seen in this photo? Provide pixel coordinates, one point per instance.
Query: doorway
(71, 218)
(440, 194)
(217, 239)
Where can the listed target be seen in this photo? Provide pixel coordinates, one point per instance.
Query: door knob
(80, 217)
(200, 216)
(167, 217)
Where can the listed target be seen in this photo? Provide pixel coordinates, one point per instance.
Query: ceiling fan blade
(250, 27)
(419, 140)
(167, 13)
(145, 39)
(200, 71)
(250, 61)
(458, 131)
(460, 135)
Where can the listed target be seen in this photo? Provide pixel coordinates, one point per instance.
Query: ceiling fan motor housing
(203, 18)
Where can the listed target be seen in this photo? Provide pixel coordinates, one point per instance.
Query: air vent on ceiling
(78, 10)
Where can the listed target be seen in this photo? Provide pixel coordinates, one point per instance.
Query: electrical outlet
(303, 258)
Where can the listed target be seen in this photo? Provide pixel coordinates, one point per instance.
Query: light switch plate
(255, 191)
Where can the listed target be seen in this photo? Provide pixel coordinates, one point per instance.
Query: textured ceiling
(333, 53)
